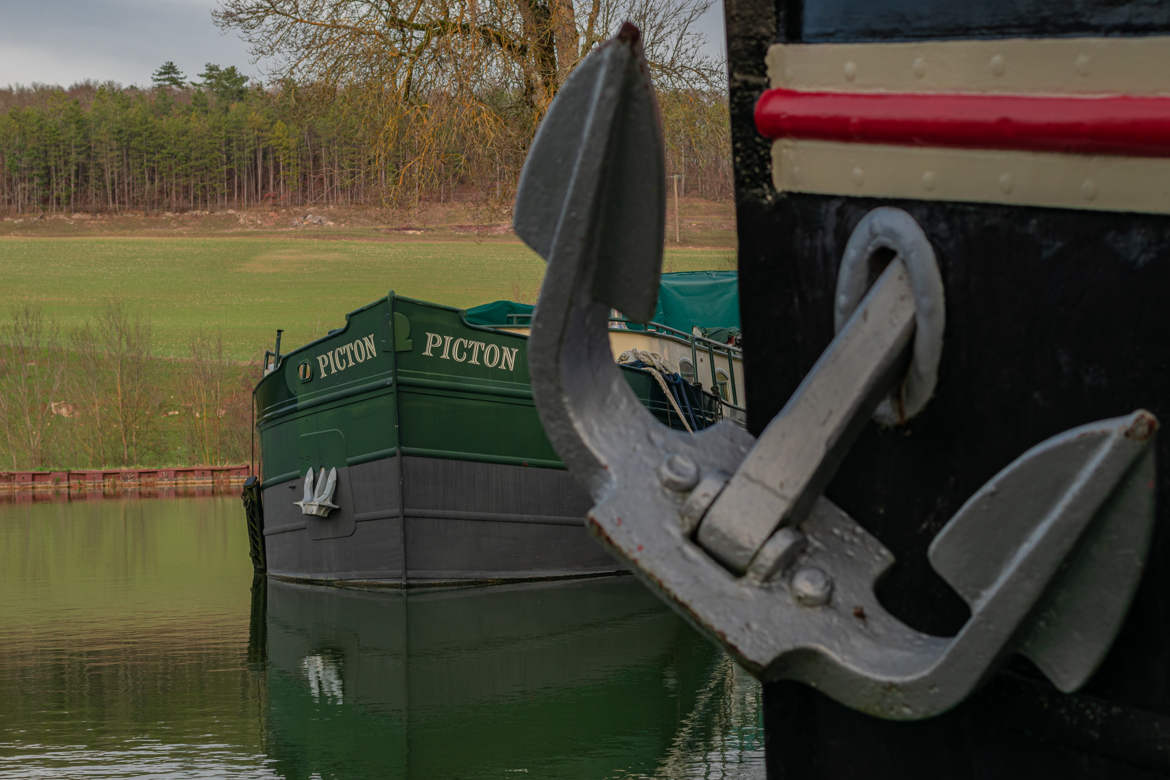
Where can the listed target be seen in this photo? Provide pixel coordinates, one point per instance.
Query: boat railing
(714, 350)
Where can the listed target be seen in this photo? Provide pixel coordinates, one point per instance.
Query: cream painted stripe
(1132, 66)
(1098, 183)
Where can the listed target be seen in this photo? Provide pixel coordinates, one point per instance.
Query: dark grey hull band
(429, 521)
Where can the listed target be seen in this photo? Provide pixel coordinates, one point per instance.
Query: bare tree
(409, 45)
(29, 380)
(211, 397)
(674, 47)
(86, 384)
(450, 88)
(125, 343)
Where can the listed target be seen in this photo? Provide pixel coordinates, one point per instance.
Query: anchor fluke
(1058, 535)
(592, 202)
(594, 181)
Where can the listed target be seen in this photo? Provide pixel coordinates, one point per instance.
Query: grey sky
(66, 41)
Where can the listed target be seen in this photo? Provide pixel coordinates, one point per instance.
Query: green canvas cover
(706, 299)
(500, 314)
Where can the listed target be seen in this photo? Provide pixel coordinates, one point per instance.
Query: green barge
(404, 449)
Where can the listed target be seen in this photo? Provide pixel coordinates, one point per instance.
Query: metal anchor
(732, 531)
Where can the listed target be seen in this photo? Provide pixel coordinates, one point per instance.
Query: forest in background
(371, 103)
(106, 148)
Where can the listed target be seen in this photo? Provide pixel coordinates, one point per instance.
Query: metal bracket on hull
(733, 531)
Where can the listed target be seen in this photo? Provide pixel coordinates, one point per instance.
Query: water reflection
(130, 647)
(123, 637)
(586, 679)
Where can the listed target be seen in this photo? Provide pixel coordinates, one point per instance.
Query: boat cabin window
(687, 369)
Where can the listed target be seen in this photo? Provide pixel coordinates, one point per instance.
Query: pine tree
(228, 85)
(168, 75)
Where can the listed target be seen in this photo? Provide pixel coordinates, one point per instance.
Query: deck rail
(698, 342)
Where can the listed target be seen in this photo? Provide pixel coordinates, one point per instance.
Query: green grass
(247, 286)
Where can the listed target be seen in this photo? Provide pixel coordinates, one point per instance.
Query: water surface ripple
(134, 643)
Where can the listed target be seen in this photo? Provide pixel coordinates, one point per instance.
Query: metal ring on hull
(895, 230)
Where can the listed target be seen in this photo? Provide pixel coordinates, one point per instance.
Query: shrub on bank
(97, 397)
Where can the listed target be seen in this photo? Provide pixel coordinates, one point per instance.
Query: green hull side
(323, 404)
(422, 382)
(464, 390)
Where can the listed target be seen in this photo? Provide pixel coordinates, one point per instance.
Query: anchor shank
(799, 451)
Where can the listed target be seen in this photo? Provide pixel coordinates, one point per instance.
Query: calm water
(133, 643)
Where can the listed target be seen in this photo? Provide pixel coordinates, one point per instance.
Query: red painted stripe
(1118, 124)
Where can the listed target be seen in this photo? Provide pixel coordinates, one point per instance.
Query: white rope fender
(657, 365)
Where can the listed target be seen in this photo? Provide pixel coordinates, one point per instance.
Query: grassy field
(246, 284)
(240, 276)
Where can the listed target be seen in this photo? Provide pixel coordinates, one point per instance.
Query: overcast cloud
(67, 41)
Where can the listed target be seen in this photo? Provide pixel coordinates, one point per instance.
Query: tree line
(96, 397)
(220, 143)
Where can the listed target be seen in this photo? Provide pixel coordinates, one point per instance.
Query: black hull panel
(430, 521)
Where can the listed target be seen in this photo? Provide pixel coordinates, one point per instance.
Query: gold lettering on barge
(470, 351)
(346, 356)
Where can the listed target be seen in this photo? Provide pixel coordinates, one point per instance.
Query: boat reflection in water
(588, 678)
